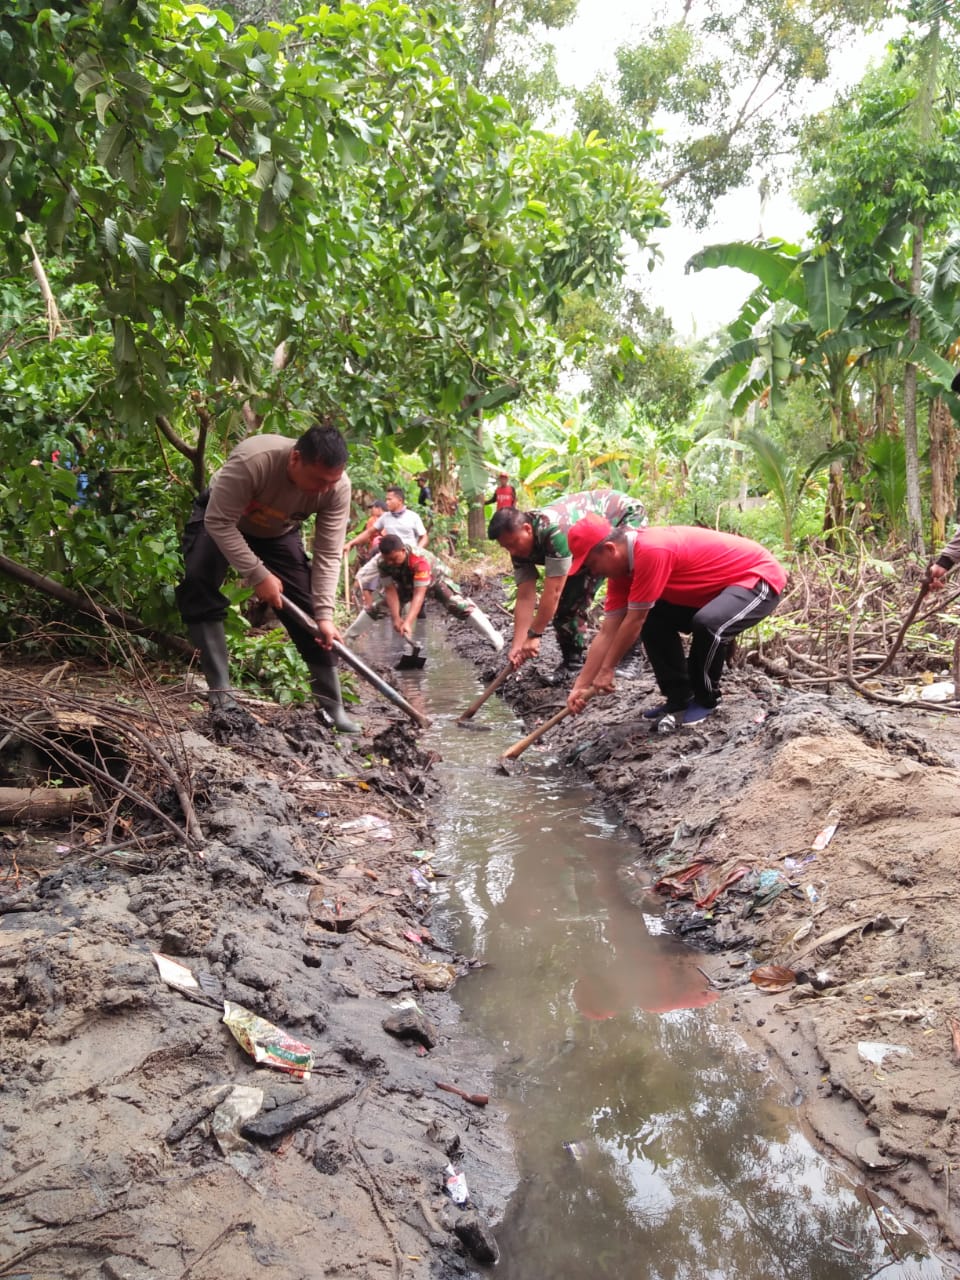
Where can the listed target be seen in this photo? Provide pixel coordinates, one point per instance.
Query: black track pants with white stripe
(711, 627)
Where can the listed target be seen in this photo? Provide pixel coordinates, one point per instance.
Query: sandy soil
(114, 1085)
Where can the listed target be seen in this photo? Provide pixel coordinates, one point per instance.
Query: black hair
(323, 443)
(395, 488)
(506, 520)
(391, 542)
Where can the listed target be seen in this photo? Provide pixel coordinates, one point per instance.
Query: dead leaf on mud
(773, 977)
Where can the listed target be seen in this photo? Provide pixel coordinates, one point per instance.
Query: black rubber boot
(326, 691)
(211, 639)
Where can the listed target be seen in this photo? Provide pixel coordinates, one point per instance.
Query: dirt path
(119, 1154)
(859, 1018)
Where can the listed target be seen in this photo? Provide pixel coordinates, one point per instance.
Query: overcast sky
(705, 300)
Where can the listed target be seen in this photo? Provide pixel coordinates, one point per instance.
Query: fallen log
(42, 804)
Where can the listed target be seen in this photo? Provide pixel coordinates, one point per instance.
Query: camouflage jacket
(551, 525)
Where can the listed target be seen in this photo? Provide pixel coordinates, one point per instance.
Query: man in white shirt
(398, 519)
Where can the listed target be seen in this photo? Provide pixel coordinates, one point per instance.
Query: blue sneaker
(654, 713)
(697, 712)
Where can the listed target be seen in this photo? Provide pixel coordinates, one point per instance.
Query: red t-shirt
(505, 495)
(686, 565)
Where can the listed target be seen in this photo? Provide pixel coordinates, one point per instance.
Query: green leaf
(109, 147)
(828, 295)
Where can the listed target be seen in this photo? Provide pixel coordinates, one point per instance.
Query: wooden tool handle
(518, 748)
(491, 688)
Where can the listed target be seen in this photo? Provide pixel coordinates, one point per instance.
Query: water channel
(653, 1143)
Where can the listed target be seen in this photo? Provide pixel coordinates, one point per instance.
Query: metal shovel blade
(413, 660)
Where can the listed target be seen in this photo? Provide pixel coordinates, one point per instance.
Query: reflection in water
(651, 1145)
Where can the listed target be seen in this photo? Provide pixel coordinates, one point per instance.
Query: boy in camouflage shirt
(539, 537)
(407, 577)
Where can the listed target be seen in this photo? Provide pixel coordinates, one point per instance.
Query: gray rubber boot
(325, 684)
(480, 622)
(361, 623)
(211, 639)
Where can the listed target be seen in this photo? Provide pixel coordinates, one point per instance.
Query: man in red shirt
(505, 495)
(664, 581)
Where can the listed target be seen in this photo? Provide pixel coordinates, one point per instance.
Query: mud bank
(307, 904)
(855, 941)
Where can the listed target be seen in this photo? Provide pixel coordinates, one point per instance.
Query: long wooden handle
(358, 665)
(346, 577)
(491, 688)
(518, 748)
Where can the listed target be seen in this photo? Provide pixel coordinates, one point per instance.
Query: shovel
(518, 748)
(413, 660)
(358, 665)
(463, 721)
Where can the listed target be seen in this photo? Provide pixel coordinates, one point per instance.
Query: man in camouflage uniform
(539, 537)
(407, 577)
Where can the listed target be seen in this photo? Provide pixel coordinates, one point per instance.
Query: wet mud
(125, 1152)
(130, 1146)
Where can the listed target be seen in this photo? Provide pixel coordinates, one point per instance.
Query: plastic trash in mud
(812, 892)
(797, 864)
(823, 838)
(771, 882)
(241, 1104)
(456, 1185)
(876, 1051)
(576, 1149)
(376, 828)
(421, 881)
(175, 974)
(939, 691)
(203, 988)
(266, 1043)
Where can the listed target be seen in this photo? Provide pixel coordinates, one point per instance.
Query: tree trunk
(476, 525)
(911, 445)
(944, 452)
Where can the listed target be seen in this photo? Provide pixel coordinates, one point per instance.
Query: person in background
(424, 495)
(539, 537)
(505, 495)
(367, 577)
(408, 577)
(398, 518)
(664, 582)
(250, 518)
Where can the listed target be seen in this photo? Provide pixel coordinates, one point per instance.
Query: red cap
(583, 536)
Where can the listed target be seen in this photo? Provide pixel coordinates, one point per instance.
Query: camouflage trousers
(570, 620)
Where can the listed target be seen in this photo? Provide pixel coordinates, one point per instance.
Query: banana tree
(786, 479)
(809, 319)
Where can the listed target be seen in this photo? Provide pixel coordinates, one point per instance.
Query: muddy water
(652, 1142)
